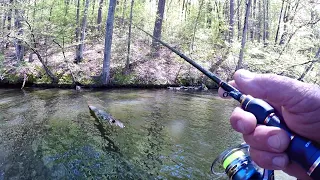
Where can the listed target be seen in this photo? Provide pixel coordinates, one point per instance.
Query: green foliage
(121, 79)
(65, 79)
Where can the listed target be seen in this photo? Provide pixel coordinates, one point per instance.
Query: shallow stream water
(50, 134)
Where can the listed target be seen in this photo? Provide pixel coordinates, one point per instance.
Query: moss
(120, 79)
(43, 79)
(13, 78)
(32, 78)
(65, 79)
(88, 81)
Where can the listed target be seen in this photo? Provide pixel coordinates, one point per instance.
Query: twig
(65, 60)
(48, 72)
(25, 77)
(292, 34)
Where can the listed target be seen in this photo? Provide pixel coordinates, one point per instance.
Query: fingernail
(240, 126)
(279, 162)
(246, 74)
(274, 142)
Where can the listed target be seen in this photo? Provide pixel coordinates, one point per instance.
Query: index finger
(221, 91)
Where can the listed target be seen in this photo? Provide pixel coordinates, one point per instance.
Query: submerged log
(104, 116)
(186, 88)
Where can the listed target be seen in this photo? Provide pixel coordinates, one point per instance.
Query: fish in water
(104, 116)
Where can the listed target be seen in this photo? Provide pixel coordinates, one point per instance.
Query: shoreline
(94, 86)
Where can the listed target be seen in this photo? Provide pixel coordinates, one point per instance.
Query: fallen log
(103, 116)
(195, 88)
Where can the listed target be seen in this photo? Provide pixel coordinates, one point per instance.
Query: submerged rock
(104, 116)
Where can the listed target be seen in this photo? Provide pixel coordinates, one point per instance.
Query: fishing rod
(300, 150)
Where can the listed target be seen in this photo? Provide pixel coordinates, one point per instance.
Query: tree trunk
(239, 19)
(9, 19)
(18, 43)
(93, 7)
(3, 22)
(259, 21)
(123, 12)
(79, 53)
(308, 68)
(226, 17)
(253, 21)
(99, 19)
(66, 3)
(129, 38)
(158, 27)
(78, 21)
(209, 12)
(108, 42)
(279, 23)
(264, 22)
(243, 42)
(231, 21)
(183, 10)
(195, 26)
(2, 33)
(267, 22)
(285, 24)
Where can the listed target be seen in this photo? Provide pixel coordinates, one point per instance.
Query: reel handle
(300, 150)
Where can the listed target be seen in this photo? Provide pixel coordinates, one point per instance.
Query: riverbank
(145, 71)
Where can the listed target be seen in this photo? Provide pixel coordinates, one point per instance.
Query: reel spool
(238, 165)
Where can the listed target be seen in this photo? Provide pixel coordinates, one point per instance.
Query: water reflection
(51, 134)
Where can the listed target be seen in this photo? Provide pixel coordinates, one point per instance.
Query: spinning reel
(238, 165)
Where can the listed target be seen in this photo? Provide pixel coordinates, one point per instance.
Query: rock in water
(78, 88)
(104, 116)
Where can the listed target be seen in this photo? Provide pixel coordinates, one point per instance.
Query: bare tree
(244, 33)
(231, 21)
(265, 22)
(308, 68)
(129, 37)
(35, 50)
(195, 26)
(93, 7)
(79, 53)
(124, 7)
(108, 42)
(285, 24)
(253, 21)
(239, 18)
(259, 21)
(18, 27)
(9, 19)
(279, 22)
(158, 27)
(78, 21)
(99, 18)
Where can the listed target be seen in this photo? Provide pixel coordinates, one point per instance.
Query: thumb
(279, 90)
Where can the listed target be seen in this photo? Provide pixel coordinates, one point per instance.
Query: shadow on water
(105, 134)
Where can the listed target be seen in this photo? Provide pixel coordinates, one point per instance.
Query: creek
(50, 134)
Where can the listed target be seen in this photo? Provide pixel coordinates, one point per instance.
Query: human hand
(296, 102)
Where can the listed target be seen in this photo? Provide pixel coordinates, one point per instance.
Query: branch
(48, 72)
(32, 33)
(65, 60)
(316, 59)
(291, 35)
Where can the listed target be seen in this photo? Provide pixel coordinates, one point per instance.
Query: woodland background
(100, 42)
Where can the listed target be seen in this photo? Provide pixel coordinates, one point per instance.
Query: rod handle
(300, 150)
